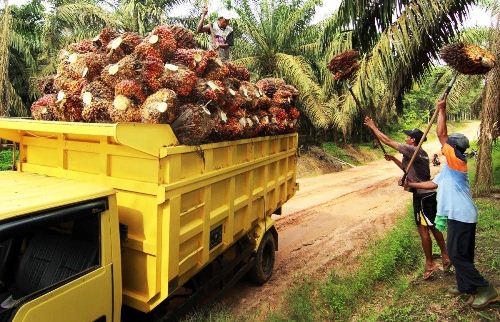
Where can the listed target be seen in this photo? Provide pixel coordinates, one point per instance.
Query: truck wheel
(264, 260)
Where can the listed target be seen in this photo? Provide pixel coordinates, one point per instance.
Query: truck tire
(264, 260)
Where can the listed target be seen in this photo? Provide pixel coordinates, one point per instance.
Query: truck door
(54, 266)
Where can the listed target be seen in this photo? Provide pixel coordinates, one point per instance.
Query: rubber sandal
(447, 266)
(429, 272)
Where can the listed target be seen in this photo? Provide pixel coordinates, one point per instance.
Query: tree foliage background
(398, 40)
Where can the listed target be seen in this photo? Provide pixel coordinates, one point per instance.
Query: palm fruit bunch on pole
(344, 64)
(163, 78)
(467, 58)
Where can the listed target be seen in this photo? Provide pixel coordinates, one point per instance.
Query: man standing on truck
(455, 203)
(221, 33)
(424, 201)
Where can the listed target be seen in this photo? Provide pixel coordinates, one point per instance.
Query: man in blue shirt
(454, 202)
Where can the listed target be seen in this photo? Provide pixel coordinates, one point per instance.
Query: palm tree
(275, 38)
(395, 51)
(490, 120)
(4, 59)
(32, 36)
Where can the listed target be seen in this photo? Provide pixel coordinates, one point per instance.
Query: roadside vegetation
(386, 283)
(5, 160)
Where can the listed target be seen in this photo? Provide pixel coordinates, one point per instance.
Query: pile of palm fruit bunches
(163, 78)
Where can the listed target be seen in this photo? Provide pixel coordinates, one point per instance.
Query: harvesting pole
(466, 59)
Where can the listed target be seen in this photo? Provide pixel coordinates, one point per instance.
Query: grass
(5, 160)
(353, 154)
(427, 301)
(388, 284)
(337, 297)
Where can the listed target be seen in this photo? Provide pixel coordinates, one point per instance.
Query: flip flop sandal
(429, 272)
(447, 266)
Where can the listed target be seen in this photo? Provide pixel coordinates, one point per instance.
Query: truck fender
(262, 228)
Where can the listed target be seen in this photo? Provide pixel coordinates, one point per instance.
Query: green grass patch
(338, 152)
(5, 160)
(337, 297)
(427, 301)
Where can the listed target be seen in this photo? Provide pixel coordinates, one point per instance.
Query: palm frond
(405, 49)
(15, 103)
(296, 71)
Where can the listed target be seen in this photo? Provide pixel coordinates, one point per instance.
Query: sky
(477, 16)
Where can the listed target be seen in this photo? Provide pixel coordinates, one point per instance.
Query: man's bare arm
(442, 131)
(426, 185)
(398, 162)
(203, 28)
(382, 137)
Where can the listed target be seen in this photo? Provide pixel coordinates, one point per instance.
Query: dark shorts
(424, 208)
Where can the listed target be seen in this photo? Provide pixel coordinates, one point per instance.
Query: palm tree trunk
(4, 59)
(489, 122)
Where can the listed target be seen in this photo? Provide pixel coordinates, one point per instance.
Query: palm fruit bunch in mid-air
(344, 65)
(467, 58)
(163, 78)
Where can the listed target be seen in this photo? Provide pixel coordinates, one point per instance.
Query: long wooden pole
(414, 156)
(358, 103)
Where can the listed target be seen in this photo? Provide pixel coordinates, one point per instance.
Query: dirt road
(327, 224)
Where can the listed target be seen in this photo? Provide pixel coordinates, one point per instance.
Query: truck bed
(183, 205)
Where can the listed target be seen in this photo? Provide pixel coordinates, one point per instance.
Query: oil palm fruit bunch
(127, 68)
(183, 37)
(239, 72)
(344, 64)
(231, 129)
(194, 125)
(145, 50)
(68, 107)
(255, 98)
(150, 71)
(124, 110)
(160, 107)
(97, 100)
(178, 78)
(210, 92)
(45, 85)
(269, 86)
(88, 65)
(162, 39)
(283, 98)
(82, 47)
(216, 70)
(122, 46)
(106, 35)
(467, 58)
(232, 83)
(278, 121)
(69, 85)
(131, 89)
(195, 59)
(44, 107)
(235, 101)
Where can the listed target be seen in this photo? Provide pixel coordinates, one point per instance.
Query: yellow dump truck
(100, 215)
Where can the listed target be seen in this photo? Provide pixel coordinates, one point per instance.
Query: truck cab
(59, 258)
